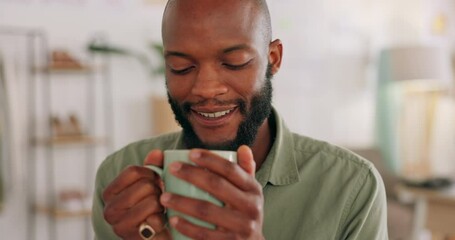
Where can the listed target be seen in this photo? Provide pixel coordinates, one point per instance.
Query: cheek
(247, 84)
(178, 88)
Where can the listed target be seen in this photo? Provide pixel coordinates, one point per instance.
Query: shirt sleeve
(366, 212)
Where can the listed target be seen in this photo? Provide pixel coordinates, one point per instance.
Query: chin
(216, 142)
(216, 135)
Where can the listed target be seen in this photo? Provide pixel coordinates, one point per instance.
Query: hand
(233, 184)
(133, 198)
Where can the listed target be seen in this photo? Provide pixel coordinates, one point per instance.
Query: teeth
(215, 114)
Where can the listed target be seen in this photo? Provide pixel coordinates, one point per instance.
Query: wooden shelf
(67, 69)
(445, 194)
(63, 213)
(69, 140)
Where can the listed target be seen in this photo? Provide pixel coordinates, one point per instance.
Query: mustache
(241, 104)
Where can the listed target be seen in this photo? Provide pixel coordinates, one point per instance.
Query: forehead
(211, 22)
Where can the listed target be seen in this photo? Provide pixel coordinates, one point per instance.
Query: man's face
(259, 108)
(216, 67)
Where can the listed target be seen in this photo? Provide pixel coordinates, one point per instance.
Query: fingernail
(165, 197)
(175, 167)
(195, 154)
(174, 221)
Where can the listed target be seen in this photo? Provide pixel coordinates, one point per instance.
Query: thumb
(155, 158)
(245, 159)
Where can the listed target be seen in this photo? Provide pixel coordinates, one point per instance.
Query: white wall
(325, 88)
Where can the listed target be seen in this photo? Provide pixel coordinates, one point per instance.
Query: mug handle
(156, 169)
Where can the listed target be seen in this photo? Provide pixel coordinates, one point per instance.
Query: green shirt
(312, 190)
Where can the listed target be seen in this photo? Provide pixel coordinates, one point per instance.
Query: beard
(254, 114)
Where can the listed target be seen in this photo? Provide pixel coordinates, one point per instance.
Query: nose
(209, 83)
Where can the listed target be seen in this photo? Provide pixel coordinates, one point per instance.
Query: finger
(196, 232)
(132, 236)
(206, 211)
(245, 159)
(127, 177)
(217, 186)
(129, 198)
(155, 158)
(163, 235)
(129, 224)
(231, 171)
(157, 222)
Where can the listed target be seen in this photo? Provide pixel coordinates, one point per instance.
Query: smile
(211, 118)
(215, 114)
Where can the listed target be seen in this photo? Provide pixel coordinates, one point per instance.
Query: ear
(275, 55)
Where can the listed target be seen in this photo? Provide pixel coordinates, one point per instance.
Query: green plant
(157, 48)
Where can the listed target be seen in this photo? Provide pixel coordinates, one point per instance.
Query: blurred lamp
(411, 82)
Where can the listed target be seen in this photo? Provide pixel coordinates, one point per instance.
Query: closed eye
(236, 66)
(181, 71)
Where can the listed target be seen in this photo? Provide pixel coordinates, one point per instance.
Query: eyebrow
(176, 54)
(226, 50)
(236, 48)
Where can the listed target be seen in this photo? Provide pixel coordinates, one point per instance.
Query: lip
(212, 122)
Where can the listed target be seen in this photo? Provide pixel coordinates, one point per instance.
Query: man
(219, 63)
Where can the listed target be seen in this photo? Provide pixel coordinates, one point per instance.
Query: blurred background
(80, 79)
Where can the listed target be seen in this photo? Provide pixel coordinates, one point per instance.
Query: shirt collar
(178, 144)
(280, 166)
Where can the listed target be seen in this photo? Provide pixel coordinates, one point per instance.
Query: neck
(263, 143)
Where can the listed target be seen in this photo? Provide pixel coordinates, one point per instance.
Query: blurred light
(412, 80)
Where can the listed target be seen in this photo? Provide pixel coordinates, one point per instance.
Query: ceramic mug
(175, 185)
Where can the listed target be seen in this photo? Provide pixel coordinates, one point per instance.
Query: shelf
(51, 141)
(63, 213)
(66, 69)
(68, 140)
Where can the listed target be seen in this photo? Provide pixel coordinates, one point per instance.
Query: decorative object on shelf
(74, 125)
(57, 128)
(72, 200)
(71, 127)
(62, 59)
(414, 82)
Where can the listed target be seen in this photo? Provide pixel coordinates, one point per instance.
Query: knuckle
(254, 212)
(106, 196)
(214, 181)
(108, 215)
(146, 185)
(249, 228)
(201, 235)
(202, 209)
(255, 187)
(254, 208)
(144, 181)
(117, 230)
(133, 171)
(258, 187)
(154, 204)
(229, 168)
(157, 222)
(232, 236)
